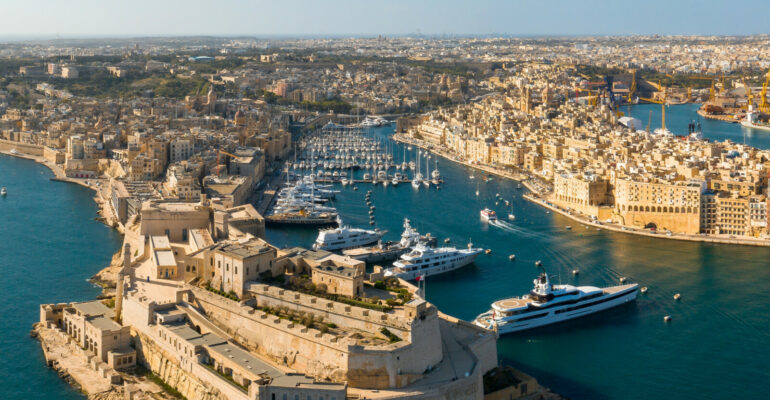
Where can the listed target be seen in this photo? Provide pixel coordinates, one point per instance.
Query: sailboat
(435, 174)
(510, 213)
(417, 175)
(477, 189)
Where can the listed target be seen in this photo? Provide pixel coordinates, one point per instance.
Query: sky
(89, 18)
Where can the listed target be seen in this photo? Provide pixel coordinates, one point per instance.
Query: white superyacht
(548, 304)
(425, 261)
(346, 237)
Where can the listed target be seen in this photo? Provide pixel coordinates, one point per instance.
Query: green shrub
(392, 338)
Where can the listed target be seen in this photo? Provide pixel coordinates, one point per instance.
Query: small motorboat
(512, 257)
(3, 191)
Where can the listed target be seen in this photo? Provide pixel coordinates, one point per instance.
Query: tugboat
(548, 304)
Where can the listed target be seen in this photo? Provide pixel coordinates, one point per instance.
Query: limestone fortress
(209, 307)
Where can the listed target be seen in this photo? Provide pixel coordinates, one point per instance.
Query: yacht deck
(506, 304)
(619, 288)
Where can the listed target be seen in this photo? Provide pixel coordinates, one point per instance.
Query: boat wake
(511, 228)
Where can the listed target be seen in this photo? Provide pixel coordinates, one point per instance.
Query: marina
(602, 257)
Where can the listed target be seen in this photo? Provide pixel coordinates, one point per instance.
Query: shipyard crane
(763, 106)
(632, 89)
(723, 88)
(749, 97)
(593, 95)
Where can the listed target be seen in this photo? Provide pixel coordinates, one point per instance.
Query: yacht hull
(438, 269)
(557, 314)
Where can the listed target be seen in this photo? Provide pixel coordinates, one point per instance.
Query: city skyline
(90, 18)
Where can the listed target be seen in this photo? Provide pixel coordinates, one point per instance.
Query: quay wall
(25, 148)
(644, 232)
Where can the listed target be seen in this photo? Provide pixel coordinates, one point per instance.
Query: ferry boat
(488, 215)
(425, 261)
(548, 304)
(346, 237)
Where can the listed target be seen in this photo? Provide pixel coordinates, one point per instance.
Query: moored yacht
(548, 304)
(346, 237)
(426, 261)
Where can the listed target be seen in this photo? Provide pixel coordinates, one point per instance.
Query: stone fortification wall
(306, 350)
(188, 382)
(30, 149)
(326, 356)
(334, 312)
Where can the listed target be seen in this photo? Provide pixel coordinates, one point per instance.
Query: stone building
(91, 325)
(666, 206)
(584, 193)
(340, 275)
(231, 264)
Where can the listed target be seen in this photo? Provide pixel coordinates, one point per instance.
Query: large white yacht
(346, 237)
(426, 261)
(548, 304)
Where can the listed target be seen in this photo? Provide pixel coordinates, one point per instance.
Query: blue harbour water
(716, 346)
(49, 245)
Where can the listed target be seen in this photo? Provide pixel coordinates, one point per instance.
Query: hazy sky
(388, 17)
